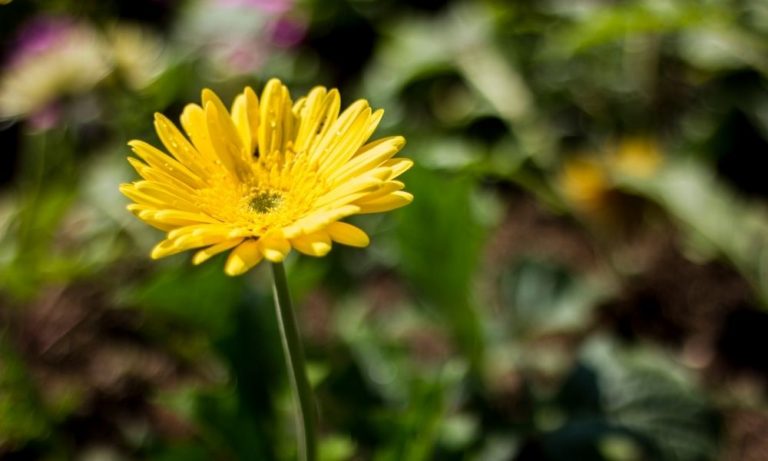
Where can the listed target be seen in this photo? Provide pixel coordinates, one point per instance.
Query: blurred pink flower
(270, 6)
(45, 118)
(238, 37)
(245, 57)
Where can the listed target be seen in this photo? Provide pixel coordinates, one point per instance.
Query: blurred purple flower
(287, 32)
(40, 35)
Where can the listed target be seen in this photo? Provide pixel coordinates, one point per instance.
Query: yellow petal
(152, 222)
(276, 118)
(240, 232)
(347, 141)
(215, 229)
(225, 141)
(316, 221)
(385, 189)
(317, 120)
(160, 176)
(373, 122)
(130, 191)
(245, 114)
(369, 156)
(136, 208)
(207, 253)
(139, 166)
(252, 109)
(195, 124)
(165, 163)
(165, 248)
(275, 248)
(398, 166)
(226, 126)
(366, 183)
(175, 217)
(310, 113)
(348, 234)
(242, 258)
(240, 118)
(316, 244)
(386, 203)
(177, 144)
(189, 242)
(345, 132)
(171, 197)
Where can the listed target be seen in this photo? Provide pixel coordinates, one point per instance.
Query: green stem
(294, 360)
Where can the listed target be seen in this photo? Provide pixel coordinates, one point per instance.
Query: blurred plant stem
(294, 360)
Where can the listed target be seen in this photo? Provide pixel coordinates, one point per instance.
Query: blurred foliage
(21, 415)
(583, 273)
(454, 238)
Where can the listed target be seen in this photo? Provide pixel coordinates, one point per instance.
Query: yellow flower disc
(266, 176)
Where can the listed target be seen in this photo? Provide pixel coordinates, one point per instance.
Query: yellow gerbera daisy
(268, 176)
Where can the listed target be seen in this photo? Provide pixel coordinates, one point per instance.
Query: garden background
(583, 274)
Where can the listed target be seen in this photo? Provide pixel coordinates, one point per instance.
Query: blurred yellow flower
(269, 176)
(585, 183)
(640, 157)
(589, 181)
(137, 54)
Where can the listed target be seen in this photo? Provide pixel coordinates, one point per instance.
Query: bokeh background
(583, 274)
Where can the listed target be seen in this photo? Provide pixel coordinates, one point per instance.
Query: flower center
(264, 202)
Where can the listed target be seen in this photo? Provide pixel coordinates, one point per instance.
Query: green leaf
(540, 296)
(608, 24)
(709, 212)
(655, 398)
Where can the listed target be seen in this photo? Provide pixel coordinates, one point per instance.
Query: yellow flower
(639, 157)
(585, 183)
(268, 176)
(589, 181)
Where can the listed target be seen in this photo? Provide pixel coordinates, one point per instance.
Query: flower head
(269, 176)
